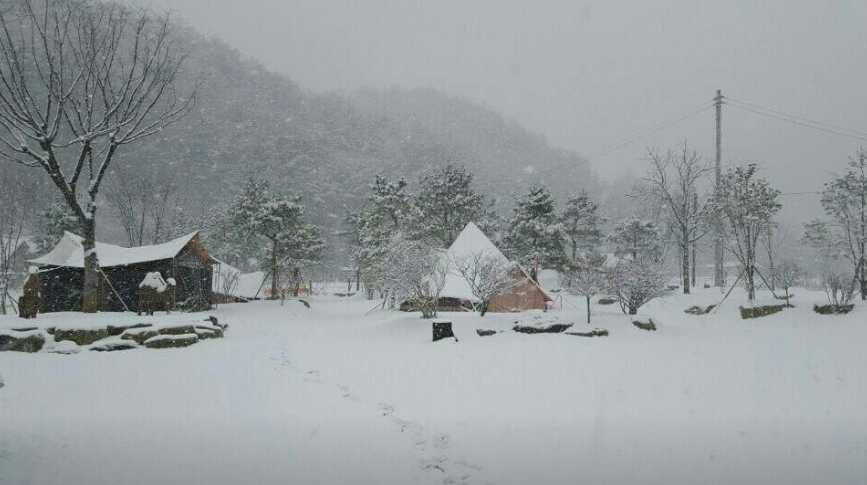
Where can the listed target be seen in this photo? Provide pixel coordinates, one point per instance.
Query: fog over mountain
(587, 74)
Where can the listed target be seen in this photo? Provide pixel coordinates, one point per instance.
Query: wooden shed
(183, 260)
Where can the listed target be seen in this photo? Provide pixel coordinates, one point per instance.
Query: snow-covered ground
(331, 395)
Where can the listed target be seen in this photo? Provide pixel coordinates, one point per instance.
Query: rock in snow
(169, 341)
(65, 347)
(81, 336)
(31, 341)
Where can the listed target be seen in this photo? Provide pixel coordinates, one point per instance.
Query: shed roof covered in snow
(69, 252)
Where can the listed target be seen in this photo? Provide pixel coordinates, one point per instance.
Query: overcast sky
(588, 74)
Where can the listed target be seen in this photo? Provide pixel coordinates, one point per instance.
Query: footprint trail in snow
(433, 449)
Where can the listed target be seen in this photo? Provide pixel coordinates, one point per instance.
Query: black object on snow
(442, 329)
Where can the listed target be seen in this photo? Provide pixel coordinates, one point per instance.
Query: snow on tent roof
(470, 241)
(244, 285)
(69, 252)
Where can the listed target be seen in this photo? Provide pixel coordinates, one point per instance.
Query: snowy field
(331, 395)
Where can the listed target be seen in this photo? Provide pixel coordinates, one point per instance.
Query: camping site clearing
(340, 393)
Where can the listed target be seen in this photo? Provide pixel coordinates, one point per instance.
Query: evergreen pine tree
(535, 232)
(52, 223)
(581, 221)
(447, 202)
(270, 227)
(636, 239)
(389, 210)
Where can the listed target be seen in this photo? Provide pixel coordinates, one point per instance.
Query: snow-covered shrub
(837, 283)
(787, 274)
(634, 282)
(486, 275)
(415, 271)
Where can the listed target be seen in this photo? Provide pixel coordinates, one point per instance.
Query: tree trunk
(694, 257)
(773, 273)
(90, 293)
(684, 267)
(588, 308)
(274, 290)
(751, 285)
(863, 231)
(3, 292)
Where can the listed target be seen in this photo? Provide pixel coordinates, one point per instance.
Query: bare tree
(229, 283)
(142, 203)
(80, 79)
(673, 182)
(587, 277)
(787, 274)
(15, 201)
(486, 275)
(128, 197)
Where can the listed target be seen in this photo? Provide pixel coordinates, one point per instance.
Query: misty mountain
(327, 148)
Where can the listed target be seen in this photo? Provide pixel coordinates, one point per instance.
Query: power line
(803, 122)
(801, 118)
(801, 193)
(655, 129)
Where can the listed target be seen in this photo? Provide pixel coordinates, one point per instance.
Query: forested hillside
(326, 148)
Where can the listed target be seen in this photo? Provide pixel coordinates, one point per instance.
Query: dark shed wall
(60, 289)
(125, 280)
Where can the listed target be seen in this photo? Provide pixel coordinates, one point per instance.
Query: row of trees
(538, 235)
(400, 237)
(393, 216)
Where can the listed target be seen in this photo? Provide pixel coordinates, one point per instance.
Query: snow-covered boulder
(596, 332)
(113, 344)
(65, 347)
(645, 324)
(208, 331)
(184, 329)
(120, 329)
(169, 341)
(30, 341)
(81, 336)
(541, 322)
(139, 335)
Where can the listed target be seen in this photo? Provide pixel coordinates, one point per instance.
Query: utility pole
(694, 241)
(718, 270)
